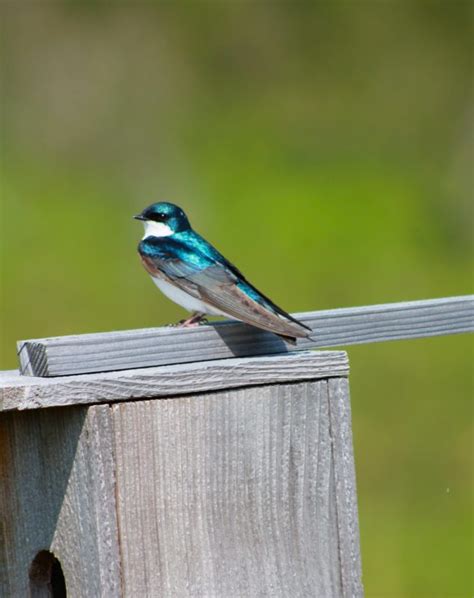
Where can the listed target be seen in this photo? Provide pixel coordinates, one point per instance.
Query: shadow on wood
(257, 342)
(51, 497)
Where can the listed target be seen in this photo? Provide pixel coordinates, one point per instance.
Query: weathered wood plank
(234, 494)
(164, 346)
(22, 392)
(345, 491)
(57, 494)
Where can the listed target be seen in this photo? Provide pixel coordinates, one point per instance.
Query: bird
(192, 273)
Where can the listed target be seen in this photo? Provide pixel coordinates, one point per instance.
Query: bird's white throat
(156, 229)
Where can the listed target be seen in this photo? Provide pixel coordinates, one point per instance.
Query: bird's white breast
(156, 229)
(184, 299)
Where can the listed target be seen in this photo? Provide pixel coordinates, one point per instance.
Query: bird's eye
(161, 217)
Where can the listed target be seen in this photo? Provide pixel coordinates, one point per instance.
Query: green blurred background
(325, 148)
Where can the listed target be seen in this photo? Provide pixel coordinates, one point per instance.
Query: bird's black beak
(139, 217)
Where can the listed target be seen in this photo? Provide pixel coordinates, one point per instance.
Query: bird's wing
(232, 300)
(244, 284)
(208, 276)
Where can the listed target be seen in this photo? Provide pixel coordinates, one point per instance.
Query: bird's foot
(193, 321)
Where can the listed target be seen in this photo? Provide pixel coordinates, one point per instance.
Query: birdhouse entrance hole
(46, 576)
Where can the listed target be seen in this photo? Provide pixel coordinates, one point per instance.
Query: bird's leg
(195, 319)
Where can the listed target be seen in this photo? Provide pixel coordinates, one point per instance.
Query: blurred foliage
(325, 148)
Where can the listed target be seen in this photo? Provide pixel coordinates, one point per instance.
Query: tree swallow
(191, 272)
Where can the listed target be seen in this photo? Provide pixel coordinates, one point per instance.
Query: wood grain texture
(345, 491)
(22, 392)
(57, 494)
(234, 494)
(164, 346)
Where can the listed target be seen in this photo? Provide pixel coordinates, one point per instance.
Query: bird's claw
(192, 322)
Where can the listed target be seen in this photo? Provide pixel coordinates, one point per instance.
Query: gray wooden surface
(22, 392)
(345, 490)
(57, 494)
(239, 493)
(164, 346)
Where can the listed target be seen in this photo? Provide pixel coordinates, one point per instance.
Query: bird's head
(163, 219)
